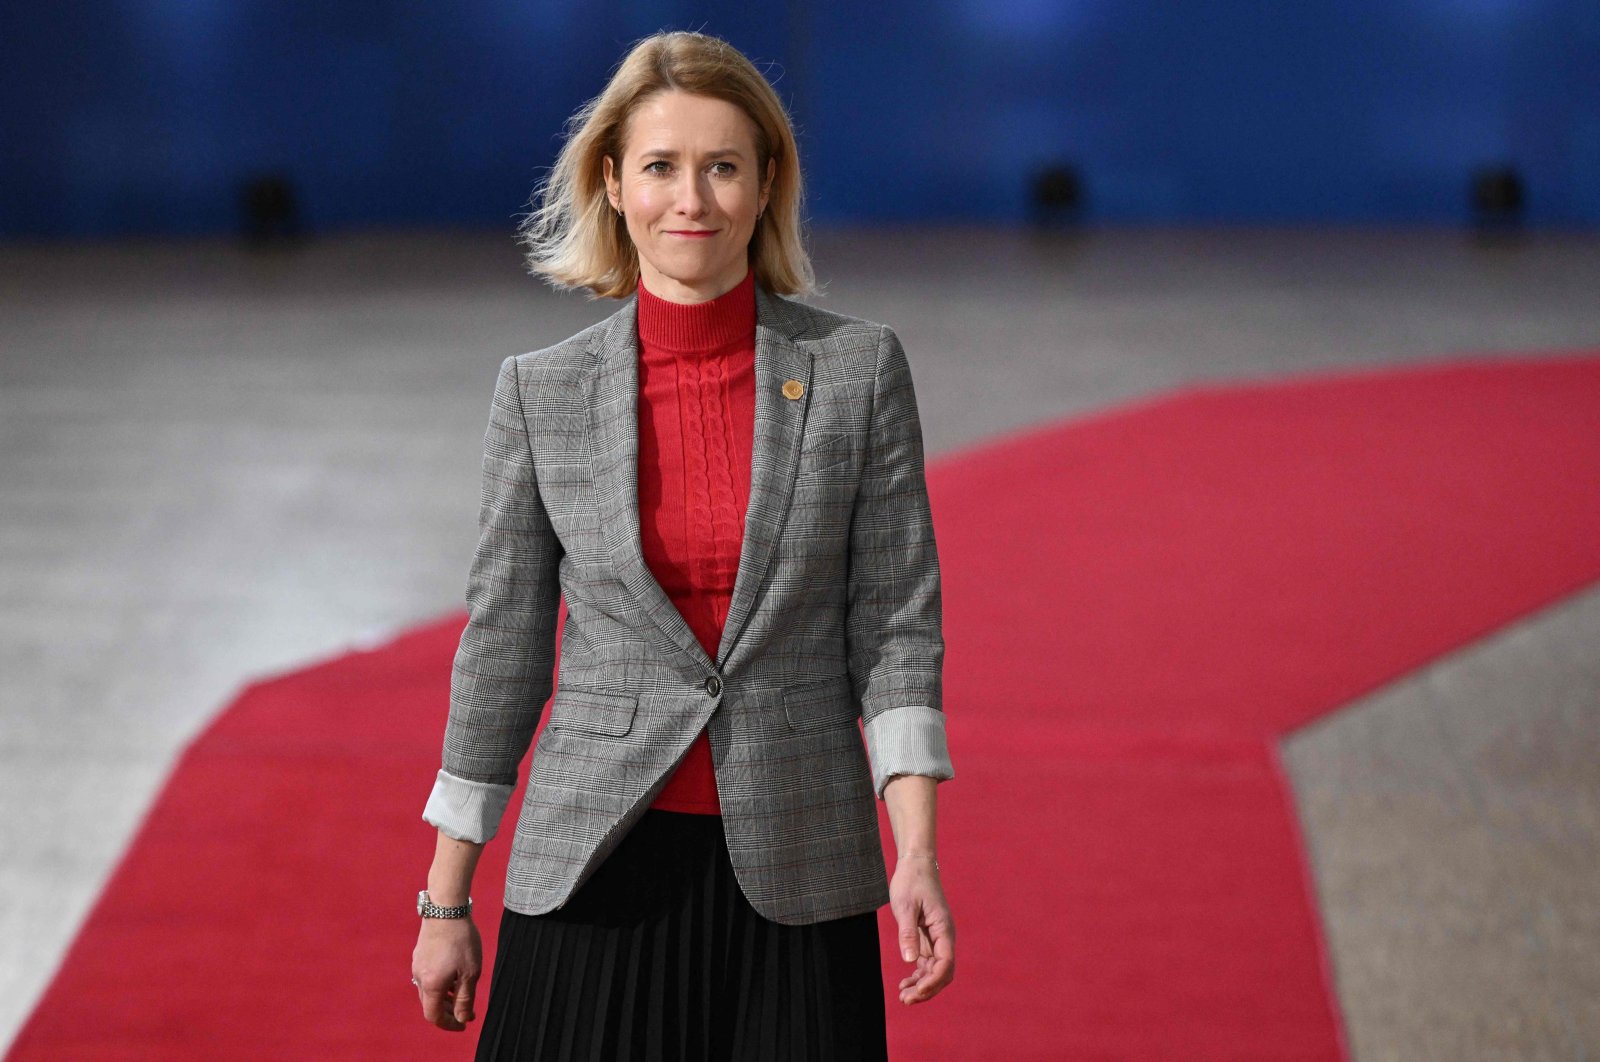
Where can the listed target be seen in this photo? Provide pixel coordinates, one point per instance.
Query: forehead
(682, 121)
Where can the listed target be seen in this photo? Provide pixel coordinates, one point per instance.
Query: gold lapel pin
(793, 388)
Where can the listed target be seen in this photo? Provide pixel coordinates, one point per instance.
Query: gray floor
(218, 465)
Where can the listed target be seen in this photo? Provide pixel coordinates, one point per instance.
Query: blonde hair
(573, 237)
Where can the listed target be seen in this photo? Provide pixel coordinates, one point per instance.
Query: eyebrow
(668, 153)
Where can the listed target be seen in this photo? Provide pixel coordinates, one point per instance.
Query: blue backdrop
(141, 117)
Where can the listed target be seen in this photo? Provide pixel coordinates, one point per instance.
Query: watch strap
(428, 909)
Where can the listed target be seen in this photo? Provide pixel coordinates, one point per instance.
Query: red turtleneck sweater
(696, 429)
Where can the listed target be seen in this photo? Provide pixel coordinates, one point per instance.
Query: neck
(727, 319)
(674, 290)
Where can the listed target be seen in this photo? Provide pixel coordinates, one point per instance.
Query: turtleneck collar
(698, 326)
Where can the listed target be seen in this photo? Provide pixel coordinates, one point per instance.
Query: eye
(730, 171)
(651, 167)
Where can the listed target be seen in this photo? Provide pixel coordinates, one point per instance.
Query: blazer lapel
(775, 455)
(611, 390)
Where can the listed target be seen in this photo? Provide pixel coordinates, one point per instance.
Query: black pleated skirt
(658, 957)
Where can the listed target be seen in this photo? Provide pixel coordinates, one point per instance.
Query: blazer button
(713, 685)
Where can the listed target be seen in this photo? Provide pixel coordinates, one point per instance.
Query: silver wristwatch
(428, 909)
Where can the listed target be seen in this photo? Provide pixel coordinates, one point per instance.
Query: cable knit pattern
(696, 430)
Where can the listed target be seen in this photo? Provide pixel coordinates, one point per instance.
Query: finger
(909, 932)
(916, 976)
(431, 1002)
(944, 950)
(930, 984)
(455, 1023)
(937, 945)
(435, 1007)
(939, 975)
(464, 995)
(925, 982)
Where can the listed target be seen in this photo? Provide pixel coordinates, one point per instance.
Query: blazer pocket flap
(827, 450)
(829, 441)
(593, 711)
(819, 703)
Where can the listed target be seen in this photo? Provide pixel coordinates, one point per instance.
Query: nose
(691, 196)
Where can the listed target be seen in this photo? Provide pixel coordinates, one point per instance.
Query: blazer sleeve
(893, 627)
(503, 669)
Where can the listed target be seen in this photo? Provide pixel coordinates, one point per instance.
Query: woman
(726, 487)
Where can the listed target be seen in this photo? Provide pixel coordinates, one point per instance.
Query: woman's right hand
(445, 966)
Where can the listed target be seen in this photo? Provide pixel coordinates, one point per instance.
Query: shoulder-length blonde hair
(574, 239)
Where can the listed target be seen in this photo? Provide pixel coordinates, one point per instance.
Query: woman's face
(689, 167)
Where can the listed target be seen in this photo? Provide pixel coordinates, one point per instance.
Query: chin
(694, 272)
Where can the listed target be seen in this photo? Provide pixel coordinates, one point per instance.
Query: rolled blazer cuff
(907, 740)
(464, 809)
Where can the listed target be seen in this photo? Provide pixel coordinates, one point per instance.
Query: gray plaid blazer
(827, 681)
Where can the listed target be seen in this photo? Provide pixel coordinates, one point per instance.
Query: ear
(613, 189)
(772, 173)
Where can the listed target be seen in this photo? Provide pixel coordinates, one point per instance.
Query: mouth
(693, 234)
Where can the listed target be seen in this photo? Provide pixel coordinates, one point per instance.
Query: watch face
(422, 898)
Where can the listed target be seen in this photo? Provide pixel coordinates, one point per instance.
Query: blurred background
(257, 274)
(166, 118)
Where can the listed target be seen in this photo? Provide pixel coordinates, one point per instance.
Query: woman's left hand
(927, 932)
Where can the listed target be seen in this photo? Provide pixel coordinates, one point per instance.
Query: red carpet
(1138, 606)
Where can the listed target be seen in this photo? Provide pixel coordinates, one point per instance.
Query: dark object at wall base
(269, 211)
(1497, 201)
(1057, 197)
